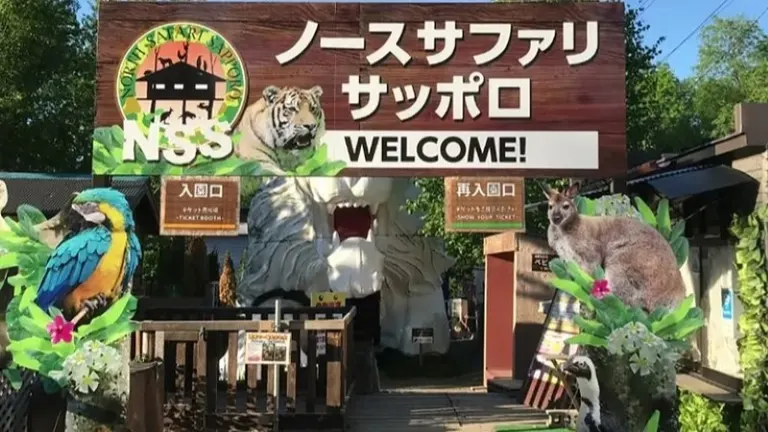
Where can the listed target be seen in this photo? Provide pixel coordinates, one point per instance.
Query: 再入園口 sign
(484, 204)
(200, 206)
(345, 89)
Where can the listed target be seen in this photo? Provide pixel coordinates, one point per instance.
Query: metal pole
(276, 372)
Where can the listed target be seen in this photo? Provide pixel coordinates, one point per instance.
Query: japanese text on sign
(458, 95)
(490, 189)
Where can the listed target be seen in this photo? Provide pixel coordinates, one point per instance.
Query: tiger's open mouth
(299, 142)
(352, 219)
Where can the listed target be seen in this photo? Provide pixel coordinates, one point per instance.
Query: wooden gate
(314, 389)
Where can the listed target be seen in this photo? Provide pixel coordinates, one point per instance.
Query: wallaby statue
(639, 264)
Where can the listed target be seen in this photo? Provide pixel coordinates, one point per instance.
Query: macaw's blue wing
(73, 261)
(132, 259)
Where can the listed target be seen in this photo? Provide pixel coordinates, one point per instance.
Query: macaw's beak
(90, 212)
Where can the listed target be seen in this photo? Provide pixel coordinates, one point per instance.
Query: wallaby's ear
(572, 191)
(546, 189)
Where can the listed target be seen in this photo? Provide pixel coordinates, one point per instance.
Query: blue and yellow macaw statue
(95, 262)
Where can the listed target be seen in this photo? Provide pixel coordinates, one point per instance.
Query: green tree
(732, 67)
(47, 73)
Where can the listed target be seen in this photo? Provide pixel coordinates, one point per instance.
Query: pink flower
(600, 289)
(60, 330)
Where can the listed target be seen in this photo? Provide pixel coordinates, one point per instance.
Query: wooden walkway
(433, 408)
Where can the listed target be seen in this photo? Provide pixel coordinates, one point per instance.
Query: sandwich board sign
(267, 348)
(510, 89)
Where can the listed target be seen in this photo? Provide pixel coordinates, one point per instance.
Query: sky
(674, 20)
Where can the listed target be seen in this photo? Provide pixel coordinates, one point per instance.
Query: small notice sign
(540, 262)
(422, 335)
(484, 204)
(726, 297)
(208, 206)
(268, 348)
(328, 299)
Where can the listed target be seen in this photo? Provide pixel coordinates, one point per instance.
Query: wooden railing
(313, 393)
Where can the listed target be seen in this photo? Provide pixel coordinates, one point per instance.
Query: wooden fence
(314, 387)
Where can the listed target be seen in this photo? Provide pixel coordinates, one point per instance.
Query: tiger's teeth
(374, 208)
(375, 226)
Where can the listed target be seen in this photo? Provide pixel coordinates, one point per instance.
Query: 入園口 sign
(484, 204)
(344, 89)
(207, 206)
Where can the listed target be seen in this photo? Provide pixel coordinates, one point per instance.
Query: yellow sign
(329, 299)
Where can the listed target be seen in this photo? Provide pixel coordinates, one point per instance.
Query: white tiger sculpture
(295, 245)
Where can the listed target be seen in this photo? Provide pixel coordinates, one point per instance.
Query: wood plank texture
(588, 97)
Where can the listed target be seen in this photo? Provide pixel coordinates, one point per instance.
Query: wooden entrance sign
(546, 387)
(200, 206)
(484, 204)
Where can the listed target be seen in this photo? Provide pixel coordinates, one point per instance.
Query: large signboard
(207, 206)
(344, 89)
(484, 204)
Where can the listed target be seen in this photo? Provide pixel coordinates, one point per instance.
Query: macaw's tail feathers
(45, 299)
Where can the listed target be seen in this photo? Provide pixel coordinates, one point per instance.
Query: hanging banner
(345, 89)
(484, 204)
(200, 206)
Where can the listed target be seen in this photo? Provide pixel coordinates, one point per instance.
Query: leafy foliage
(31, 344)
(752, 292)
(610, 313)
(310, 162)
(699, 414)
(23, 248)
(47, 72)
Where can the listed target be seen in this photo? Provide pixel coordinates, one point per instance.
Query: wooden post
(334, 393)
(276, 372)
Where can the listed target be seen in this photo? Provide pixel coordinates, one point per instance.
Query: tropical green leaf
(680, 247)
(657, 314)
(9, 260)
(33, 328)
(580, 276)
(592, 327)
(675, 316)
(330, 169)
(34, 344)
(110, 317)
(558, 268)
(119, 331)
(30, 213)
(653, 422)
(13, 376)
(677, 231)
(27, 298)
(614, 303)
(25, 360)
(645, 211)
(599, 273)
(663, 222)
(41, 318)
(575, 290)
(587, 339)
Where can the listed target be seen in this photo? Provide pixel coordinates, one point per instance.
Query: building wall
(531, 291)
(719, 338)
(756, 167)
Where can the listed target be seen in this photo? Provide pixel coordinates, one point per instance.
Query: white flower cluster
(88, 366)
(644, 348)
(615, 205)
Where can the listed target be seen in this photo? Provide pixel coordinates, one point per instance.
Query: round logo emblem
(186, 72)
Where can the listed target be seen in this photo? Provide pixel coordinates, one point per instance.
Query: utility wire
(645, 6)
(720, 60)
(718, 9)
